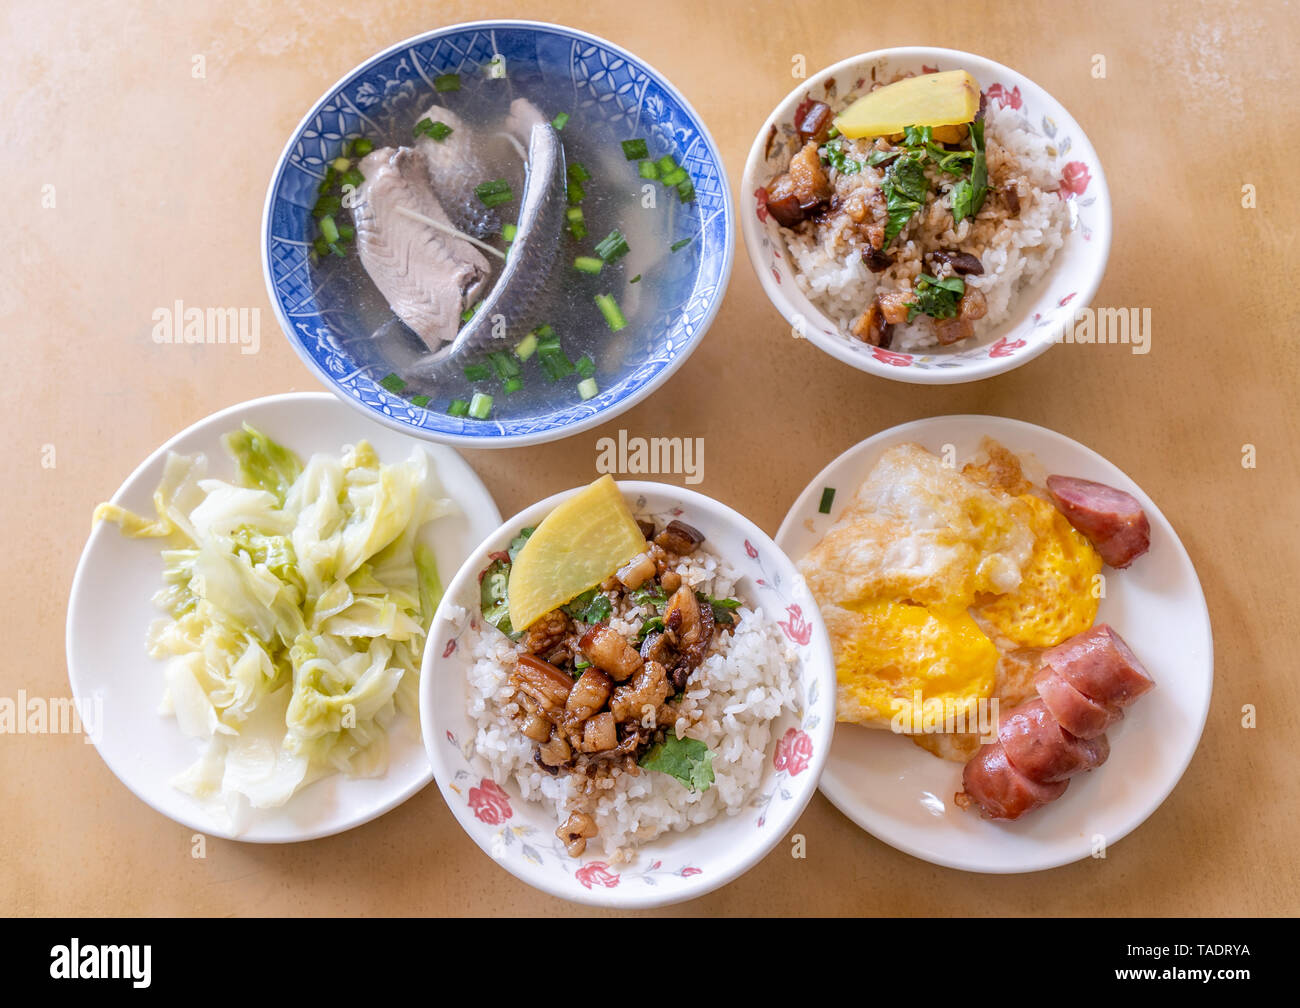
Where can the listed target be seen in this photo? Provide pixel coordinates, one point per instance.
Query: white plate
(903, 795)
(111, 609)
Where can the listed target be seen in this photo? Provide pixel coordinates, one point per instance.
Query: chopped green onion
(513, 384)
(508, 231)
(353, 177)
(648, 170)
(585, 366)
(635, 279)
(576, 193)
(468, 313)
(505, 365)
(327, 183)
(340, 164)
(446, 82)
(480, 407)
(666, 164)
(428, 127)
(559, 121)
(828, 498)
(494, 193)
(321, 247)
(588, 264)
(578, 173)
(392, 383)
(527, 347)
(552, 358)
(458, 407)
(496, 68)
(420, 400)
(328, 229)
(326, 205)
(477, 372)
(346, 232)
(674, 177)
(578, 229)
(609, 308)
(679, 244)
(686, 191)
(587, 388)
(361, 146)
(635, 150)
(336, 249)
(613, 247)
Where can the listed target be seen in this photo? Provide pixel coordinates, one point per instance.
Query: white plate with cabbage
(249, 615)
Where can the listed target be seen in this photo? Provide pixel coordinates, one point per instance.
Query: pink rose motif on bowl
(490, 804)
(793, 752)
(1074, 180)
(596, 873)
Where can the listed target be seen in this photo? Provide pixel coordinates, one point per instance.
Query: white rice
(731, 703)
(1015, 251)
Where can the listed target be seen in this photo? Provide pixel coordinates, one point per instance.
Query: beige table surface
(159, 180)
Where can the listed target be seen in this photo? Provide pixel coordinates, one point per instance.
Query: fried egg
(1057, 596)
(890, 654)
(941, 584)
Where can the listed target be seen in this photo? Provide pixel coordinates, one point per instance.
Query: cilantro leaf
(905, 188)
(492, 596)
(589, 607)
(517, 543)
(968, 196)
(839, 160)
(687, 759)
(936, 298)
(722, 608)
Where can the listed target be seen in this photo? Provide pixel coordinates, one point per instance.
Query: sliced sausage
(1113, 520)
(1101, 666)
(1042, 750)
(1076, 713)
(999, 789)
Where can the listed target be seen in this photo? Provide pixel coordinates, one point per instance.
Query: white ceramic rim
(836, 345)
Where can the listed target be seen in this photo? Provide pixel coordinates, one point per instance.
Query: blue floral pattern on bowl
(635, 97)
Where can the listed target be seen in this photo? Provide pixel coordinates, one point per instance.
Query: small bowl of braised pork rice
(628, 695)
(926, 215)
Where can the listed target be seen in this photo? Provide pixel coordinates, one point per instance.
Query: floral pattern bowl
(1039, 313)
(520, 835)
(322, 321)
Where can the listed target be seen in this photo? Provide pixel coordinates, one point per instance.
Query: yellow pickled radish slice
(584, 540)
(938, 99)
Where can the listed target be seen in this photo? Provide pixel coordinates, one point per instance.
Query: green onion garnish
(326, 205)
(494, 193)
(336, 249)
(508, 231)
(477, 372)
(446, 82)
(361, 146)
(578, 173)
(392, 383)
(576, 193)
(828, 497)
(420, 400)
(578, 229)
(648, 170)
(585, 366)
(609, 308)
(635, 279)
(505, 365)
(679, 244)
(468, 313)
(587, 388)
(496, 68)
(554, 361)
(574, 214)
(559, 121)
(674, 177)
(320, 246)
(346, 232)
(666, 164)
(635, 150)
(458, 407)
(513, 384)
(686, 191)
(428, 127)
(340, 164)
(480, 407)
(328, 229)
(613, 247)
(353, 177)
(527, 347)
(588, 264)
